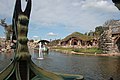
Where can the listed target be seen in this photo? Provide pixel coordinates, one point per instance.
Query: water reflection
(91, 67)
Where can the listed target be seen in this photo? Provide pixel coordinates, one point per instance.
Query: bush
(88, 50)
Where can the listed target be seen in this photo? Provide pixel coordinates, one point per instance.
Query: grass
(88, 50)
(63, 48)
(82, 50)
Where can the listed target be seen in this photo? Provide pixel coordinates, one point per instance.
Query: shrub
(88, 50)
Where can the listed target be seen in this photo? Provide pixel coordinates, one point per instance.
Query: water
(91, 67)
(5, 59)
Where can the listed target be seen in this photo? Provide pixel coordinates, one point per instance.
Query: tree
(86, 33)
(99, 30)
(8, 28)
(111, 23)
(91, 33)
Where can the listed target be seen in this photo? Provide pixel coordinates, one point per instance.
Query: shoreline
(87, 54)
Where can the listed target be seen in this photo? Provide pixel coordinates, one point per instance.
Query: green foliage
(62, 48)
(88, 50)
(81, 50)
(7, 36)
(78, 36)
(99, 30)
(54, 42)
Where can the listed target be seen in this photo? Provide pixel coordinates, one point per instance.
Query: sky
(55, 19)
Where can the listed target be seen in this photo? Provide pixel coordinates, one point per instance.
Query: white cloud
(51, 34)
(74, 14)
(102, 5)
(6, 8)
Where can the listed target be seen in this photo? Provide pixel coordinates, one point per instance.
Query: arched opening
(74, 42)
(118, 44)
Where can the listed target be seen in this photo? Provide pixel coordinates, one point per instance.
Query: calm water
(91, 67)
(5, 59)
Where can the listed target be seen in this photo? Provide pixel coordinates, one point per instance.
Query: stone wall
(107, 42)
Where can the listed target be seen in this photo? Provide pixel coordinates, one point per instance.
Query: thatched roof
(78, 36)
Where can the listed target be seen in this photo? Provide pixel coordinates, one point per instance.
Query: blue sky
(54, 19)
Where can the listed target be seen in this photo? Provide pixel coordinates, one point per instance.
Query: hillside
(79, 36)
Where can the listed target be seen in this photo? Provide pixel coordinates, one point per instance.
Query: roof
(78, 36)
(44, 41)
